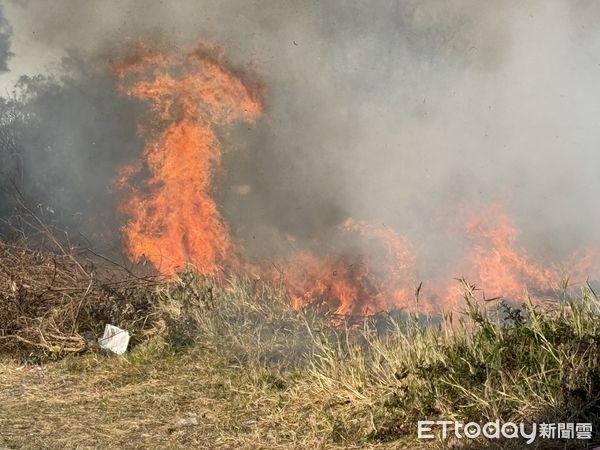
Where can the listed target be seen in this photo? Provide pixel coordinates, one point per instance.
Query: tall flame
(173, 219)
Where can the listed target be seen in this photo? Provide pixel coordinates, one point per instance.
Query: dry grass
(99, 402)
(53, 303)
(231, 365)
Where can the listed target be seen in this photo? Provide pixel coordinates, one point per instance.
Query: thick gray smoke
(399, 112)
(5, 35)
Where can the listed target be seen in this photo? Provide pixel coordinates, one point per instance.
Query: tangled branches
(52, 303)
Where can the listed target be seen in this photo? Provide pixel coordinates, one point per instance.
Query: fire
(171, 219)
(356, 284)
(504, 269)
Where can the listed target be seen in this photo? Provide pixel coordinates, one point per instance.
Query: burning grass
(232, 365)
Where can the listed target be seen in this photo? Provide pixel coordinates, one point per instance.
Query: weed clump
(52, 304)
(255, 369)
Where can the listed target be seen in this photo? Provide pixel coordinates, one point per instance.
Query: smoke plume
(5, 35)
(412, 114)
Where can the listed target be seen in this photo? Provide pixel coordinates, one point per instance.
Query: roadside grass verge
(231, 365)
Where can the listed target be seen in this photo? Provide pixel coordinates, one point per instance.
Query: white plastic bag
(114, 339)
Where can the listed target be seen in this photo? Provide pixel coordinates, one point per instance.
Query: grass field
(231, 365)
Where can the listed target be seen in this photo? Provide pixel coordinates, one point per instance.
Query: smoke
(5, 35)
(407, 113)
(63, 138)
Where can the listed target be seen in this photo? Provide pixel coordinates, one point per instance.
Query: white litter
(189, 421)
(114, 339)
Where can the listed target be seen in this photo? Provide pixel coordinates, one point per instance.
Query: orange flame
(356, 284)
(171, 218)
(504, 269)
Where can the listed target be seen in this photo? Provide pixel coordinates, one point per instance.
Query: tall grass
(262, 375)
(521, 363)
